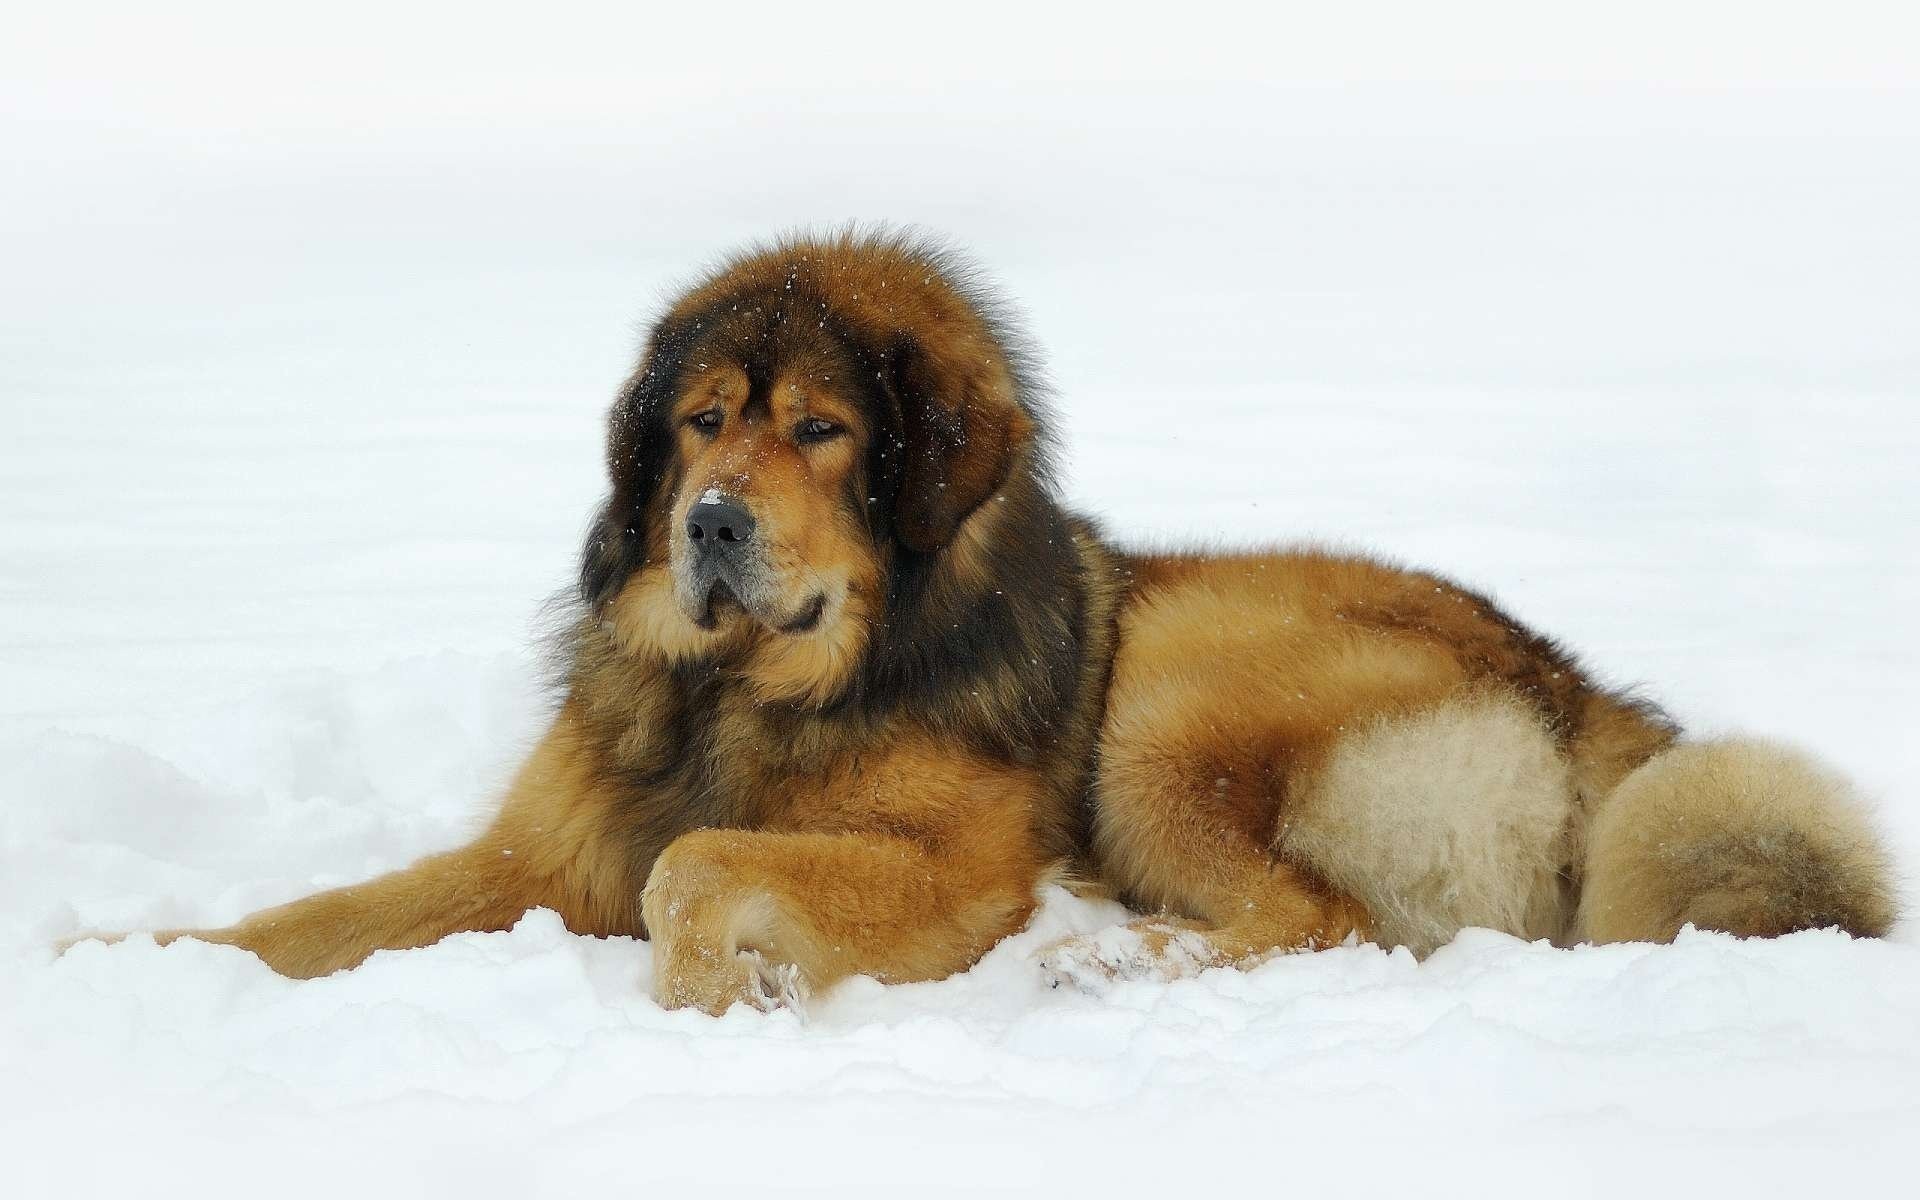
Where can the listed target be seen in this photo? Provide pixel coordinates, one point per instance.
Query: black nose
(716, 519)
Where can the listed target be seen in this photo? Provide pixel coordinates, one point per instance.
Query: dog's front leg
(738, 916)
(472, 888)
(547, 847)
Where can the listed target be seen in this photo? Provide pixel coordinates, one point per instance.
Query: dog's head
(803, 424)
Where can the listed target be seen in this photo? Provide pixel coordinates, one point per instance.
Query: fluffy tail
(1740, 835)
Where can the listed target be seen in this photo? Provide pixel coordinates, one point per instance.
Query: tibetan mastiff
(848, 683)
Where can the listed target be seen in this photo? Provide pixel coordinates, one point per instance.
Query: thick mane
(994, 657)
(979, 640)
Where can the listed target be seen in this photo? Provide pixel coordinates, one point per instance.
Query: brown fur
(1269, 750)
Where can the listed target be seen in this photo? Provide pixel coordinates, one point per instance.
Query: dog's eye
(817, 430)
(706, 422)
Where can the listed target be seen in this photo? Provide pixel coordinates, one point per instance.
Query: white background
(308, 321)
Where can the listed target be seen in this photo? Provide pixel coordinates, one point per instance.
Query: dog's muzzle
(723, 562)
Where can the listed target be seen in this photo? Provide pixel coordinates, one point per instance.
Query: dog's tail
(1739, 835)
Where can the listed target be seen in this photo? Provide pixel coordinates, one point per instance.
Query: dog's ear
(959, 430)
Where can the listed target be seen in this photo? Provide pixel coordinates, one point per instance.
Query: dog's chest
(749, 765)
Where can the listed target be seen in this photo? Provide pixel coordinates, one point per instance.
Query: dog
(848, 684)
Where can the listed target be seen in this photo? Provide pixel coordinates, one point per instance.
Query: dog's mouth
(721, 600)
(808, 618)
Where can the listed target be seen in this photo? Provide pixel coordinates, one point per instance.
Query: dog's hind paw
(1158, 949)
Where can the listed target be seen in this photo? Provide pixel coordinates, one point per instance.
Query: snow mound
(533, 1058)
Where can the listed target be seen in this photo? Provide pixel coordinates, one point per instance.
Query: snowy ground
(303, 401)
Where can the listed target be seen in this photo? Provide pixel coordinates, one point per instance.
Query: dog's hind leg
(1191, 837)
(1402, 827)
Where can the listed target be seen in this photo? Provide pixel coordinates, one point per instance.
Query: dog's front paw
(1159, 949)
(775, 985)
(713, 984)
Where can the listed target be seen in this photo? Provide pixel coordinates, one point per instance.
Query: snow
(306, 400)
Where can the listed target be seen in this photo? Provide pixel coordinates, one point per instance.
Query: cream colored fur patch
(1451, 817)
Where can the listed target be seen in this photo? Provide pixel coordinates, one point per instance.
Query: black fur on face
(759, 340)
(639, 455)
